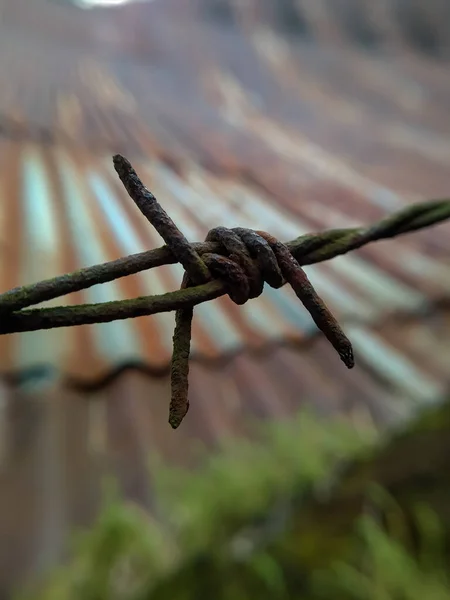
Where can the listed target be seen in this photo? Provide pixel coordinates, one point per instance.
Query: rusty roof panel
(54, 446)
(63, 209)
(228, 126)
(242, 124)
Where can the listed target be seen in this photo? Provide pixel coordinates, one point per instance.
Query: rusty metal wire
(235, 261)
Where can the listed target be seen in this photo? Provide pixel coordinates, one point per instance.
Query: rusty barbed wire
(243, 279)
(234, 261)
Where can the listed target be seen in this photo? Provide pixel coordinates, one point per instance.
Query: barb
(307, 294)
(154, 212)
(236, 262)
(196, 272)
(243, 277)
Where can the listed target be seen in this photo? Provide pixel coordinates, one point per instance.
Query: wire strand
(307, 249)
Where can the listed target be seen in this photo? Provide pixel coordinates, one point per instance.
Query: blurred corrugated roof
(231, 120)
(63, 209)
(227, 129)
(55, 448)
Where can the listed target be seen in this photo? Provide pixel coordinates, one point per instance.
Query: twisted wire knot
(249, 262)
(250, 259)
(256, 257)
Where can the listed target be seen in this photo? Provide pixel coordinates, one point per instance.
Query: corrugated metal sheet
(63, 209)
(231, 126)
(55, 447)
(228, 126)
(267, 135)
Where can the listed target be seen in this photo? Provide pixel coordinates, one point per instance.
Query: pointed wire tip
(347, 357)
(118, 158)
(122, 165)
(176, 415)
(174, 423)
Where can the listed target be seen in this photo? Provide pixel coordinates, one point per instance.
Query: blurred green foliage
(229, 530)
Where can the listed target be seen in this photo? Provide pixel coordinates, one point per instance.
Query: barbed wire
(234, 261)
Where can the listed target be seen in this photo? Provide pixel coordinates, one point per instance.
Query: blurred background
(289, 116)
